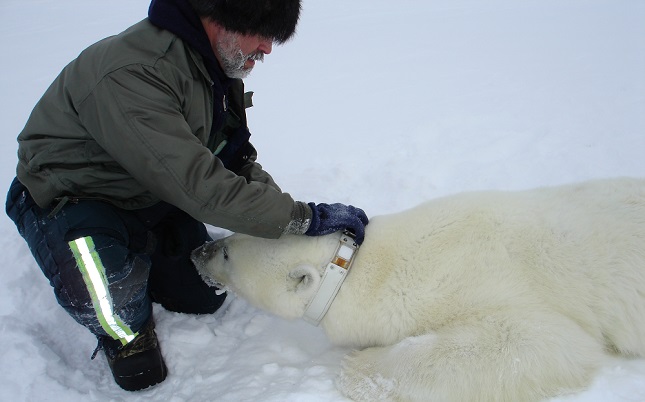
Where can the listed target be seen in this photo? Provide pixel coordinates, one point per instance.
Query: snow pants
(107, 265)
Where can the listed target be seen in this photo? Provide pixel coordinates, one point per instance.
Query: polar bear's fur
(487, 296)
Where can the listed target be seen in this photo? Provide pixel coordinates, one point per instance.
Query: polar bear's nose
(202, 254)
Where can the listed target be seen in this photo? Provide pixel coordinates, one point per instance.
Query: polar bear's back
(579, 249)
(601, 218)
(582, 206)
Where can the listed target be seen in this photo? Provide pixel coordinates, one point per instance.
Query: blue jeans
(107, 265)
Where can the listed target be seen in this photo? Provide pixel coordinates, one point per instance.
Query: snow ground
(376, 103)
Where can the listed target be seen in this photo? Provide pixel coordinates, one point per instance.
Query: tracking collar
(332, 279)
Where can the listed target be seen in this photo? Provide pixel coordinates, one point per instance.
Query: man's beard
(232, 57)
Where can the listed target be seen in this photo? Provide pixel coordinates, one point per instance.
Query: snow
(380, 104)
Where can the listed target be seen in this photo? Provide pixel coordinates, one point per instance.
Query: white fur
(488, 296)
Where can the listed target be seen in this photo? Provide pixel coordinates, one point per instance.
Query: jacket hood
(178, 17)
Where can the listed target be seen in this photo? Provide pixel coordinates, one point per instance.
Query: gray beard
(233, 59)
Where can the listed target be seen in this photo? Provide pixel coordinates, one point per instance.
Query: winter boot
(139, 364)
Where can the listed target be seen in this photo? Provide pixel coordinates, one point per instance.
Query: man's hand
(326, 219)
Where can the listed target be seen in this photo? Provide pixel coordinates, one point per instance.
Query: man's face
(238, 53)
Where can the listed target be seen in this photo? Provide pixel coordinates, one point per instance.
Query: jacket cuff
(300, 219)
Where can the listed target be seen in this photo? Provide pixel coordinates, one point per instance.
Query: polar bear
(484, 296)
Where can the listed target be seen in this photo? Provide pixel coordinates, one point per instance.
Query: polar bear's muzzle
(204, 253)
(202, 258)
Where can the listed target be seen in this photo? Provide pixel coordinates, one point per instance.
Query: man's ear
(213, 29)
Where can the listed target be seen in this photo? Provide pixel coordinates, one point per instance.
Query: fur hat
(274, 19)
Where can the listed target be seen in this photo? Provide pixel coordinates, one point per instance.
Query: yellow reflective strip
(94, 276)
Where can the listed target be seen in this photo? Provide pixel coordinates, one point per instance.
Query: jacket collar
(178, 17)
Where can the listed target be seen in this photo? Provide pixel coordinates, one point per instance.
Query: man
(137, 143)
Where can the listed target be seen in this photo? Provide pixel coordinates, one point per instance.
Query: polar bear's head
(277, 275)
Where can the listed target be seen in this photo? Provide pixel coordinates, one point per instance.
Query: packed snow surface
(379, 104)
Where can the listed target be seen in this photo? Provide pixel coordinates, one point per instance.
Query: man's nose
(266, 45)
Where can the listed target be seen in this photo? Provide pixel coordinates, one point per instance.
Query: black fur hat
(274, 19)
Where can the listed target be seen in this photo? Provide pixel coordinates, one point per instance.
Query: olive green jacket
(127, 122)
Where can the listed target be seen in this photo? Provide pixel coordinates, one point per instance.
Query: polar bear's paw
(361, 378)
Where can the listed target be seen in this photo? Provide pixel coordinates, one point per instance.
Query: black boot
(139, 364)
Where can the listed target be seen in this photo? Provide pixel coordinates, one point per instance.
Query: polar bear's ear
(304, 280)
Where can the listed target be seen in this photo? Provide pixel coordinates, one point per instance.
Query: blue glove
(326, 219)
